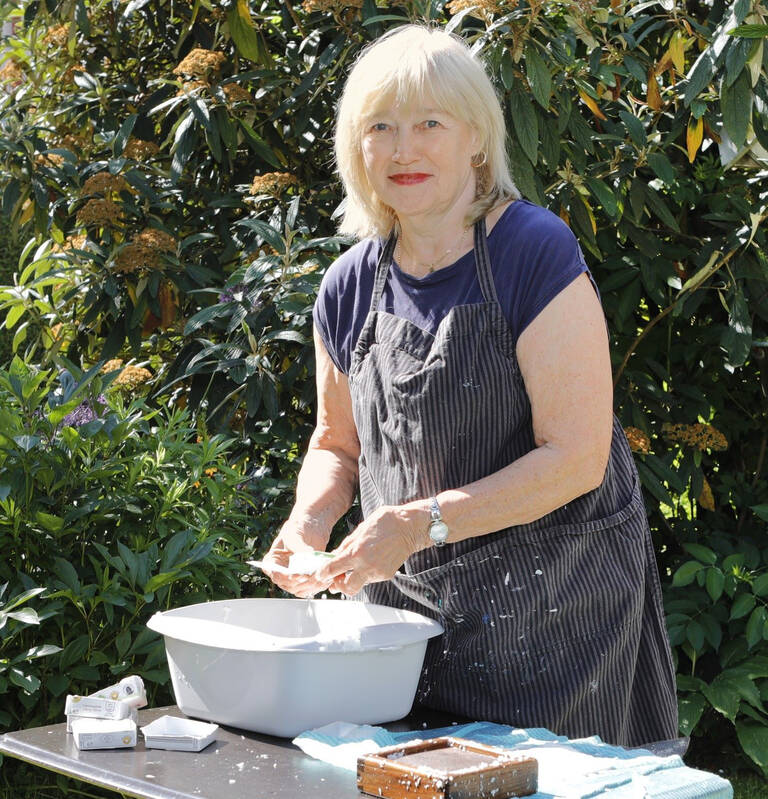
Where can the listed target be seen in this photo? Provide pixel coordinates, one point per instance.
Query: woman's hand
(377, 547)
(298, 534)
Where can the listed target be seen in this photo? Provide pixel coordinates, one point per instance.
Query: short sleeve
(549, 259)
(343, 300)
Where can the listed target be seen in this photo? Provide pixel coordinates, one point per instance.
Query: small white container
(183, 735)
(283, 666)
(96, 707)
(133, 715)
(104, 733)
(129, 690)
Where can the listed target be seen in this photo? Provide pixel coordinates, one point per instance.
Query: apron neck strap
(382, 269)
(482, 264)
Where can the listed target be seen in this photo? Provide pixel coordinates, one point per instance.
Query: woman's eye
(431, 123)
(378, 127)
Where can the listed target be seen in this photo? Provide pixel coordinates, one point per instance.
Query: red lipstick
(409, 178)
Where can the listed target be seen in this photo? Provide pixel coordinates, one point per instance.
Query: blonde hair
(407, 65)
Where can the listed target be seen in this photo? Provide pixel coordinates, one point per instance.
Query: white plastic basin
(283, 666)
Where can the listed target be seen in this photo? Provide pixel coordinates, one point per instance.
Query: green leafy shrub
(160, 146)
(108, 513)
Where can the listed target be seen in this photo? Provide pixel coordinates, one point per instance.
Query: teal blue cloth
(568, 769)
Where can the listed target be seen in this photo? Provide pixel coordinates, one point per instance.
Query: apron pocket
(530, 594)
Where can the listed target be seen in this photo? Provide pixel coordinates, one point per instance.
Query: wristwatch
(438, 529)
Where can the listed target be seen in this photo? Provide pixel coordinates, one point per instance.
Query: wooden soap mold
(383, 774)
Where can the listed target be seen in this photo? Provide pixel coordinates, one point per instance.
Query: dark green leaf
(266, 232)
(245, 35)
(67, 573)
(724, 697)
(694, 632)
(538, 75)
(715, 583)
(755, 624)
(27, 682)
(635, 128)
(525, 123)
(737, 338)
(604, 195)
(660, 208)
(686, 573)
(661, 165)
(700, 75)
(760, 585)
(736, 105)
(701, 553)
(507, 69)
(652, 483)
(258, 145)
(122, 135)
(754, 741)
(690, 707)
(750, 31)
(742, 606)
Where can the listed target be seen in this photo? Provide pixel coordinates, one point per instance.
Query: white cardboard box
(104, 733)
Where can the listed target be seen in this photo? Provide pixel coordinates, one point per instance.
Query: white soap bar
(96, 707)
(129, 690)
(307, 562)
(133, 716)
(104, 733)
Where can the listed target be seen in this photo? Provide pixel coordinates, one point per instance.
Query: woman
(464, 386)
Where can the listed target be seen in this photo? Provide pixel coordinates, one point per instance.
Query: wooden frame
(446, 768)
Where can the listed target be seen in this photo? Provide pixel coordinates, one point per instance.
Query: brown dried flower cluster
(145, 251)
(132, 377)
(330, 5)
(57, 36)
(274, 183)
(584, 8)
(638, 440)
(140, 150)
(101, 213)
(76, 242)
(482, 8)
(104, 183)
(191, 86)
(69, 73)
(200, 63)
(74, 142)
(11, 74)
(700, 436)
(706, 497)
(112, 366)
(49, 159)
(235, 93)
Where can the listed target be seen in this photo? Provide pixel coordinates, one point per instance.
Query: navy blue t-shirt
(534, 256)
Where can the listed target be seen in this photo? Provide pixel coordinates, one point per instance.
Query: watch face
(438, 532)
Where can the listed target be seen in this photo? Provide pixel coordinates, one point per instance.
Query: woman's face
(417, 158)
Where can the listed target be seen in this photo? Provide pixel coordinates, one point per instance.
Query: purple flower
(233, 293)
(85, 412)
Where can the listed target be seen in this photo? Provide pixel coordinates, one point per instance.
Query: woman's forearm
(326, 485)
(531, 487)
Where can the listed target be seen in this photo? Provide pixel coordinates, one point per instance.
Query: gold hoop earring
(483, 158)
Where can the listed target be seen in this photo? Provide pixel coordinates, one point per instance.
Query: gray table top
(239, 764)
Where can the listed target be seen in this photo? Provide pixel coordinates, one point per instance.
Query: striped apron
(557, 623)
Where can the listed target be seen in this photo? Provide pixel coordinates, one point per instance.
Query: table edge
(93, 775)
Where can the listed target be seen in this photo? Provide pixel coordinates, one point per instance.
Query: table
(239, 764)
